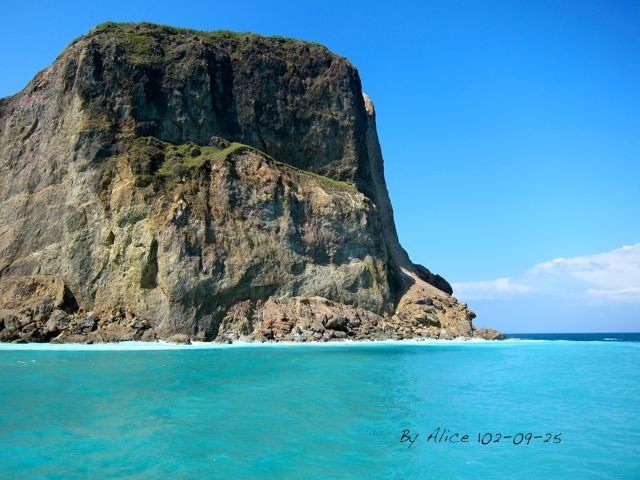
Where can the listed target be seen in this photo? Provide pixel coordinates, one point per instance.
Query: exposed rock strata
(158, 183)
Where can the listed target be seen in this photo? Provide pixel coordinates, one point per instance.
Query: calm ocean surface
(323, 411)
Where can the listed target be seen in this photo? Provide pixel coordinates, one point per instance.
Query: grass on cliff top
(190, 156)
(171, 162)
(326, 183)
(149, 42)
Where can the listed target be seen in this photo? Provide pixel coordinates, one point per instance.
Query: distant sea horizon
(578, 336)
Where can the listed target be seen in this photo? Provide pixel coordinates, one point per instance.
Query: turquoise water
(321, 411)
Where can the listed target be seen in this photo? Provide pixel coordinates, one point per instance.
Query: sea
(535, 406)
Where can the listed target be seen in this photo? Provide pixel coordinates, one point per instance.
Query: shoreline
(196, 345)
(162, 345)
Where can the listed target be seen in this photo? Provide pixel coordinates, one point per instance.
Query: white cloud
(614, 274)
(623, 294)
(489, 289)
(611, 276)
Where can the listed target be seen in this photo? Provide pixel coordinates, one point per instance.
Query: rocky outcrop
(160, 183)
(488, 334)
(432, 279)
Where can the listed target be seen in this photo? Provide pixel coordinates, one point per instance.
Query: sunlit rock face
(161, 183)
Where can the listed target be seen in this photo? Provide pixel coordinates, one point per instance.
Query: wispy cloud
(623, 294)
(490, 289)
(612, 275)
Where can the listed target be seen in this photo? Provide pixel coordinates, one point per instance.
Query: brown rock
(179, 338)
(488, 334)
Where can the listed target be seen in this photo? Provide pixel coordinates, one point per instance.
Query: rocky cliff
(162, 183)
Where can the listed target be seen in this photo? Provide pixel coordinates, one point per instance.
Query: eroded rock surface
(160, 183)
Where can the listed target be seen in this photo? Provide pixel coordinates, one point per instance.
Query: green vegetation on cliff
(147, 43)
(170, 163)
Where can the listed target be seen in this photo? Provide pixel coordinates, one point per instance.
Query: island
(159, 183)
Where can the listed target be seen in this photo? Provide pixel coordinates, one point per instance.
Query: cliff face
(157, 182)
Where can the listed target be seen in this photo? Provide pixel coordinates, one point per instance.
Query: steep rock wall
(204, 184)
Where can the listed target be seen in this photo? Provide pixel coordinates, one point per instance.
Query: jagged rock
(57, 322)
(148, 335)
(207, 185)
(488, 334)
(35, 293)
(179, 338)
(9, 321)
(219, 143)
(433, 279)
(337, 323)
(67, 337)
(87, 323)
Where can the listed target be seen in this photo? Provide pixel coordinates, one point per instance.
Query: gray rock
(9, 321)
(57, 322)
(179, 338)
(219, 143)
(337, 323)
(488, 334)
(433, 279)
(148, 336)
(87, 323)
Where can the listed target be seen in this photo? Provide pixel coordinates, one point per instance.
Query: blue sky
(510, 130)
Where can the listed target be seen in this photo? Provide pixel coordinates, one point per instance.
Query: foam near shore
(141, 346)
